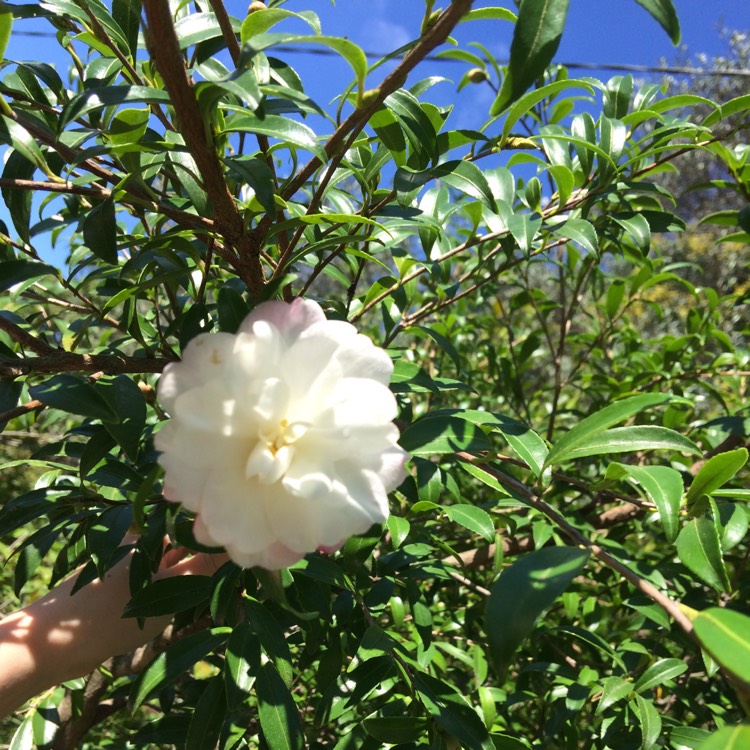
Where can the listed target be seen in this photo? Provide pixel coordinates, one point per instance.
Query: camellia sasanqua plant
(410, 385)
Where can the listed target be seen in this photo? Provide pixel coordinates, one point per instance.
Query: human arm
(59, 637)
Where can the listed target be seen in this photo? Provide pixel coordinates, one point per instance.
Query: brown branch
(672, 608)
(165, 50)
(335, 147)
(62, 361)
(19, 411)
(25, 339)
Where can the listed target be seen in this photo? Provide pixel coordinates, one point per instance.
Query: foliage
(565, 566)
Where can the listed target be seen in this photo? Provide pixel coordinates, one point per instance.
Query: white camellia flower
(281, 438)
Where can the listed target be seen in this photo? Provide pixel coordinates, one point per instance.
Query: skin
(59, 637)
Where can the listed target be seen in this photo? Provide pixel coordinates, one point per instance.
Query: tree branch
(165, 50)
(25, 339)
(62, 361)
(672, 608)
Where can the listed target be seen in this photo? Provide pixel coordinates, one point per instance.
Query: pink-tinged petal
(289, 319)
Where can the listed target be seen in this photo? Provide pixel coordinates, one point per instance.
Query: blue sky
(598, 31)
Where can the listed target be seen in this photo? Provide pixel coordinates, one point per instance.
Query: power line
(617, 67)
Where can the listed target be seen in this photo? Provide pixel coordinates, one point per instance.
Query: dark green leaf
(126, 400)
(105, 535)
(75, 395)
(396, 729)
(613, 689)
(13, 272)
(666, 15)
(208, 717)
(279, 718)
(172, 662)
(440, 435)
(169, 595)
(100, 231)
(105, 96)
(278, 127)
(522, 592)
(242, 662)
(18, 167)
(452, 713)
(535, 40)
(660, 484)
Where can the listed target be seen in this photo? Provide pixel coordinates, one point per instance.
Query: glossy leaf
(172, 662)
(659, 673)
(650, 721)
(660, 484)
(665, 14)
(100, 231)
(536, 38)
(728, 738)
(593, 425)
(725, 634)
(475, 519)
(440, 435)
(279, 718)
(715, 473)
(522, 592)
(700, 551)
(75, 395)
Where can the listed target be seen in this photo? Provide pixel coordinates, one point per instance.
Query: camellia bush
(478, 485)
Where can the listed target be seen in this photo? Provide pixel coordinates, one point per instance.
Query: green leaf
(582, 232)
(472, 518)
(106, 533)
(613, 689)
(259, 23)
(74, 395)
(6, 24)
(440, 435)
(524, 441)
(174, 661)
(631, 439)
(660, 484)
(650, 722)
(105, 96)
(699, 550)
(715, 473)
(666, 16)
(399, 529)
(687, 738)
(127, 15)
(396, 729)
(279, 718)
(728, 738)
(242, 662)
(528, 101)
(725, 634)
(272, 639)
(467, 178)
(452, 713)
(18, 167)
(658, 673)
(166, 596)
(596, 423)
(13, 272)
(14, 134)
(535, 40)
(522, 592)
(208, 717)
(275, 126)
(127, 401)
(100, 231)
